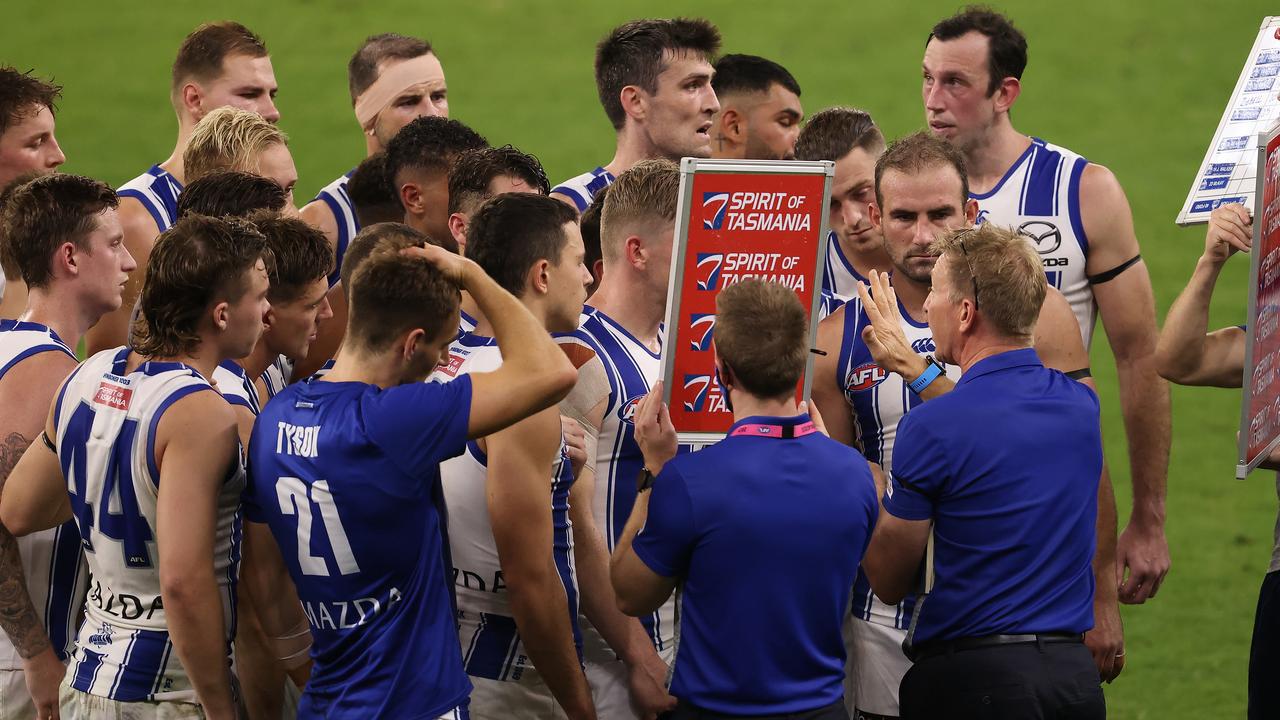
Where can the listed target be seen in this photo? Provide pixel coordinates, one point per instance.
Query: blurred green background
(1136, 86)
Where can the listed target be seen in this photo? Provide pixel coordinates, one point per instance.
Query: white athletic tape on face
(424, 69)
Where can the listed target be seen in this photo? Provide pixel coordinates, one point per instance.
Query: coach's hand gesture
(884, 336)
(655, 434)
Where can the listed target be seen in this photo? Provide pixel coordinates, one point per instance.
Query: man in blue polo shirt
(764, 529)
(1004, 471)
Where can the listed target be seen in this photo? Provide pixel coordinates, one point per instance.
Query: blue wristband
(931, 372)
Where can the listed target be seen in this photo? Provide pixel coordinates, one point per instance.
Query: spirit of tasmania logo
(113, 396)
(713, 206)
(709, 270)
(705, 393)
(701, 325)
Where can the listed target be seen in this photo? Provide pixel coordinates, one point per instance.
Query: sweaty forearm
(18, 615)
(193, 610)
(541, 612)
(1181, 347)
(1144, 402)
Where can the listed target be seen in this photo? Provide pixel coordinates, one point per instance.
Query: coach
(1004, 471)
(764, 528)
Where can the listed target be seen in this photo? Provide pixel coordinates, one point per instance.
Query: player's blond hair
(646, 193)
(228, 139)
(1000, 269)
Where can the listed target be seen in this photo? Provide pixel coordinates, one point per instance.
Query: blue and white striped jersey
(236, 387)
(157, 190)
(491, 644)
(1039, 197)
(51, 559)
(583, 188)
(106, 424)
(631, 369)
(839, 277)
(336, 198)
(878, 400)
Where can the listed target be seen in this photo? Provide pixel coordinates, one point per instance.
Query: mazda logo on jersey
(713, 206)
(627, 413)
(864, 377)
(701, 325)
(1045, 235)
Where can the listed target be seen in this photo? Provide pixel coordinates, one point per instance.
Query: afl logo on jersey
(864, 377)
(627, 413)
(713, 206)
(1044, 235)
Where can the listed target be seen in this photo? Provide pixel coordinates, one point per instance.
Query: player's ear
(873, 214)
(635, 251)
(1007, 93)
(634, 101)
(971, 211)
(221, 315)
(458, 229)
(732, 125)
(539, 277)
(64, 261)
(191, 99)
(414, 340)
(411, 198)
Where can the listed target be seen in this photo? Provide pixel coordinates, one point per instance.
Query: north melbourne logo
(709, 270)
(701, 325)
(714, 205)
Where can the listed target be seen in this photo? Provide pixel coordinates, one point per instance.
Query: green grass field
(1136, 86)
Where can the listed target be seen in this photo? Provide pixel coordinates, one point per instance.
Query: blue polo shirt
(1007, 466)
(767, 534)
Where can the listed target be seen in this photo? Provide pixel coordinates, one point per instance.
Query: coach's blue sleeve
(420, 424)
(920, 469)
(670, 532)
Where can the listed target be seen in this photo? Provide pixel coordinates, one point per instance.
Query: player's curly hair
(429, 144)
(196, 263)
(473, 170)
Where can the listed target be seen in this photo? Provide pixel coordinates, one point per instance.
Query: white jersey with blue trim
(106, 426)
(235, 385)
(491, 644)
(1039, 197)
(632, 368)
(839, 277)
(335, 197)
(56, 574)
(878, 400)
(157, 190)
(583, 188)
(277, 376)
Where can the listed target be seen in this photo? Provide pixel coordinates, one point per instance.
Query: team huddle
(391, 455)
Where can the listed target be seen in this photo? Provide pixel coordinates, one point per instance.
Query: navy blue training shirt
(1007, 467)
(347, 477)
(767, 534)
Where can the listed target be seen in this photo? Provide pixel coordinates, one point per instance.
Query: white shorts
(607, 676)
(875, 667)
(15, 701)
(528, 697)
(77, 705)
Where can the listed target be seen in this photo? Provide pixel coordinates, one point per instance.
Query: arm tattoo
(18, 616)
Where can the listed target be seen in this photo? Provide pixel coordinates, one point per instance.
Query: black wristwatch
(644, 481)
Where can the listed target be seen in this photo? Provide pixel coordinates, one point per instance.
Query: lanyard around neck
(782, 432)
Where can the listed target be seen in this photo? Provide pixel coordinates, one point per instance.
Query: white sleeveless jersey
(335, 197)
(631, 369)
(277, 376)
(106, 424)
(51, 559)
(236, 387)
(839, 278)
(878, 400)
(582, 189)
(157, 190)
(1040, 197)
(491, 645)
